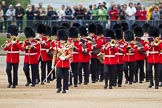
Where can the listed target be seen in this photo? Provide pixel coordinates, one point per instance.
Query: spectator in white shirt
(61, 12)
(130, 14)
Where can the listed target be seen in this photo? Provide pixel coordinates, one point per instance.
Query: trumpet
(4, 44)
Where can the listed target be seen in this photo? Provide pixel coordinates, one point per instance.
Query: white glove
(62, 58)
(52, 67)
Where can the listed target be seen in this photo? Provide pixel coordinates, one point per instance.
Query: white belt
(75, 52)
(43, 49)
(30, 53)
(13, 52)
(109, 55)
(153, 52)
(118, 53)
(129, 53)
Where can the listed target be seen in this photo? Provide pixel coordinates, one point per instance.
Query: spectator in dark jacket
(19, 16)
(52, 15)
(68, 13)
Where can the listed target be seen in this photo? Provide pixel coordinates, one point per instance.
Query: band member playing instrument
(129, 57)
(100, 42)
(93, 65)
(140, 55)
(43, 56)
(49, 57)
(84, 56)
(61, 59)
(53, 45)
(160, 80)
(110, 59)
(153, 56)
(73, 34)
(12, 46)
(30, 59)
(119, 56)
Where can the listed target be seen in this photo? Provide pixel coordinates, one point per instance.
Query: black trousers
(33, 72)
(129, 72)
(100, 70)
(43, 70)
(160, 67)
(109, 74)
(119, 74)
(139, 65)
(75, 71)
(93, 68)
(156, 74)
(49, 65)
(62, 73)
(85, 67)
(15, 73)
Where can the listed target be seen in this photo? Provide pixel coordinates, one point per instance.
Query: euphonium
(112, 42)
(156, 41)
(14, 39)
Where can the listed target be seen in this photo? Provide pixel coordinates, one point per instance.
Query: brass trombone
(4, 44)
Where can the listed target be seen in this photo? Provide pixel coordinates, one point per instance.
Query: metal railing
(56, 21)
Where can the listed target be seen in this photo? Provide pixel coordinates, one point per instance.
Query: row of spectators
(99, 12)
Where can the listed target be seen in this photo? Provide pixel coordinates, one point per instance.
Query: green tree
(24, 3)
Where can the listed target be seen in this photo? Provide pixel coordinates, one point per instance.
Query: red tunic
(31, 54)
(84, 58)
(110, 57)
(120, 53)
(13, 52)
(62, 63)
(130, 56)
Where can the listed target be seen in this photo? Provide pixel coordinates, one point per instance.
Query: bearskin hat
(119, 34)
(41, 29)
(129, 35)
(117, 26)
(138, 31)
(83, 31)
(29, 32)
(73, 32)
(124, 26)
(92, 28)
(110, 33)
(48, 31)
(62, 35)
(100, 29)
(65, 24)
(154, 31)
(13, 30)
(54, 30)
(145, 27)
(77, 25)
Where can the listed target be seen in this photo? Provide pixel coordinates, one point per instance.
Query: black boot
(58, 90)
(27, 84)
(9, 85)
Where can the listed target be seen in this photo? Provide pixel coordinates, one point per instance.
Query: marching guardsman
(53, 45)
(129, 57)
(48, 33)
(110, 59)
(84, 55)
(93, 65)
(145, 28)
(73, 34)
(12, 46)
(153, 56)
(119, 56)
(30, 59)
(140, 55)
(100, 42)
(44, 46)
(61, 59)
(160, 80)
